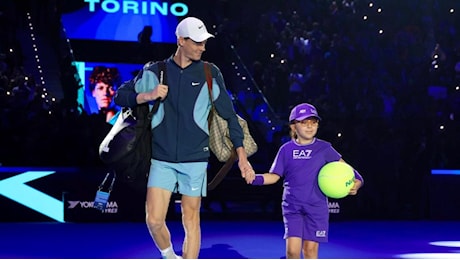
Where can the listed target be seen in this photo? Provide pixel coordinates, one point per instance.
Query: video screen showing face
(101, 81)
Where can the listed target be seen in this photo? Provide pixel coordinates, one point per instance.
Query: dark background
(390, 101)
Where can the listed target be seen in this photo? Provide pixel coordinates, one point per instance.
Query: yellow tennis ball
(335, 179)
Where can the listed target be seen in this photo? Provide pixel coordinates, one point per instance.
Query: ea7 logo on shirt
(301, 154)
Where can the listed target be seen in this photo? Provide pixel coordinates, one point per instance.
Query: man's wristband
(258, 181)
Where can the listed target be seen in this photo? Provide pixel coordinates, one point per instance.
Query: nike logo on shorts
(195, 84)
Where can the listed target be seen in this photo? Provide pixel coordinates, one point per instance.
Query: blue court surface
(230, 240)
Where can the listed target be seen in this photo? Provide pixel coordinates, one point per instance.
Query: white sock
(168, 253)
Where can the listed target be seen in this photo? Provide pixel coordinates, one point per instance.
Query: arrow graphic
(15, 189)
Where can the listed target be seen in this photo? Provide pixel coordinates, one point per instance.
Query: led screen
(87, 96)
(123, 20)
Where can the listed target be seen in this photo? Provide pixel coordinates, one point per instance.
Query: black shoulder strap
(162, 72)
(163, 79)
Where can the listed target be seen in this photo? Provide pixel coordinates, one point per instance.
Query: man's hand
(161, 91)
(246, 171)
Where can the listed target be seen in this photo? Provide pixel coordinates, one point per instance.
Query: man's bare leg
(191, 222)
(156, 209)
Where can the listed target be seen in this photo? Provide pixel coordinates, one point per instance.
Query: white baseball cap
(193, 28)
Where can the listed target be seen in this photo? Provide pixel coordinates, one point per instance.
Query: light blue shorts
(185, 178)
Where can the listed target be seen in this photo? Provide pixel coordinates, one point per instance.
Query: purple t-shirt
(300, 165)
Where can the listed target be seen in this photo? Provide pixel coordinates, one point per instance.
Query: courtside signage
(444, 172)
(17, 189)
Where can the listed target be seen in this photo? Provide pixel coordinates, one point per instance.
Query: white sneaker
(171, 256)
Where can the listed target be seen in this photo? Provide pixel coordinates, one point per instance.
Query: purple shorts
(309, 222)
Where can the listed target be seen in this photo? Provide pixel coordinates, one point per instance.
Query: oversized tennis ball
(335, 179)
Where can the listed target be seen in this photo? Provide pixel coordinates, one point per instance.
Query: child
(304, 207)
